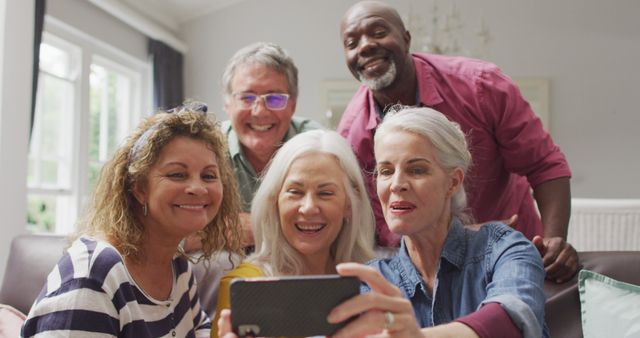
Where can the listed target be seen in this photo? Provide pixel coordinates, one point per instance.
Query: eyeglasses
(273, 101)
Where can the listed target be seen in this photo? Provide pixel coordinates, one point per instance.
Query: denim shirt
(494, 264)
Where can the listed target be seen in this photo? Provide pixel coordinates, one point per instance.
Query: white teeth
(261, 127)
(310, 227)
(373, 63)
(191, 206)
(369, 67)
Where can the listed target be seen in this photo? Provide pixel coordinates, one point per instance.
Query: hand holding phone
(288, 306)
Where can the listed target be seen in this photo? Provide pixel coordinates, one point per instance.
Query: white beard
(382, 81)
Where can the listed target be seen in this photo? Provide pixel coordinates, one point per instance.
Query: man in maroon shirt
(512, 151)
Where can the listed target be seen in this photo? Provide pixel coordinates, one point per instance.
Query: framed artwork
(335, 95)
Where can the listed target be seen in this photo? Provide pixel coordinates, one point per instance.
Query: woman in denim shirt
(448, 280)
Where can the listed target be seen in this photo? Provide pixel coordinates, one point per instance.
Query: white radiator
(605, 224)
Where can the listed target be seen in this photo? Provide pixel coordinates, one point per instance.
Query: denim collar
(455, 246)
(452, 256)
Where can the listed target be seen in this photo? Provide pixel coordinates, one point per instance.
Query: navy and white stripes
(90, 293)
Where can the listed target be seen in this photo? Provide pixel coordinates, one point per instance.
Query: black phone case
(288, 306)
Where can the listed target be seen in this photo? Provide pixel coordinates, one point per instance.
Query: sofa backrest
(31, 259)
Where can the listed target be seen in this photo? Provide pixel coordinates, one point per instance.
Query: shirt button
(173, 333)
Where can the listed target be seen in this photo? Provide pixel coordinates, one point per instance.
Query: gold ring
(388, 319)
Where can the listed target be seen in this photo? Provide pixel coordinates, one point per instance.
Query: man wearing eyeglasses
(260, 88)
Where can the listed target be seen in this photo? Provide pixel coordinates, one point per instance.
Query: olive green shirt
(248, 180)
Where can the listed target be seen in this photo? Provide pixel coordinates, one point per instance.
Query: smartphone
(293, 306)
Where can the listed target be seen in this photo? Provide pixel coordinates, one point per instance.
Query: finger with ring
(388, 319)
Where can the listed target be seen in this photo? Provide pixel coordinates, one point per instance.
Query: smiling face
(313, 204)
(376, 45)
(414, 190)
(182, 191)
(259, 129)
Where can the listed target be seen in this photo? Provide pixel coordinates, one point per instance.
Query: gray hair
(354, 242)
(446, 136)
(263, 53)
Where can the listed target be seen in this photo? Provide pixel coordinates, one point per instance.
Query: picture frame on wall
(336, 94)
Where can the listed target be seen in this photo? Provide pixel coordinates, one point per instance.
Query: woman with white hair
(310, 213)
(448, 280)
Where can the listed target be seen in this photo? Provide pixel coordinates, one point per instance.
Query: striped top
(90, 293)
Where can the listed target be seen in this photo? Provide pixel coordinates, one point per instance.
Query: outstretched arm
(384, 311)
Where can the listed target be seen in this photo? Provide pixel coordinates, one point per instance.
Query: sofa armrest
(562, 308)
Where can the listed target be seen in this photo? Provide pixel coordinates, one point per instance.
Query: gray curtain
(37, 39)
(168, 82)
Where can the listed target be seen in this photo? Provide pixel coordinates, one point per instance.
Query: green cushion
(610, 308)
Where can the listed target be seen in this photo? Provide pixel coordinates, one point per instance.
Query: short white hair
(446, 136)
(354, 242)
(263, 53)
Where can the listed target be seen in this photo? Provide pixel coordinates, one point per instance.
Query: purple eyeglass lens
(248, 98)
(277, 101)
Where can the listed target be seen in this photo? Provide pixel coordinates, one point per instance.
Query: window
(89, 98)
(110, 113)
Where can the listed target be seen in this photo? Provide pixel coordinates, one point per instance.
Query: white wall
(90, 19)
(588, 49)
(16, 42)
(3, 7)
(308, 30)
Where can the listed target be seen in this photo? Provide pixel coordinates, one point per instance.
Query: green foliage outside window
(41, 213)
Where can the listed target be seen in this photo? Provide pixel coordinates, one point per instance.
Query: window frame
(92, 51)
(75, 52)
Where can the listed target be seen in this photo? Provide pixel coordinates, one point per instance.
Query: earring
(145, 209)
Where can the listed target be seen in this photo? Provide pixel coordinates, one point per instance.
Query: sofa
(33, 256)
(562, 308)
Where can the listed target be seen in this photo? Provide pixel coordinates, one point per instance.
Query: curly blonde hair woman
(125, 274)
(114, 209)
